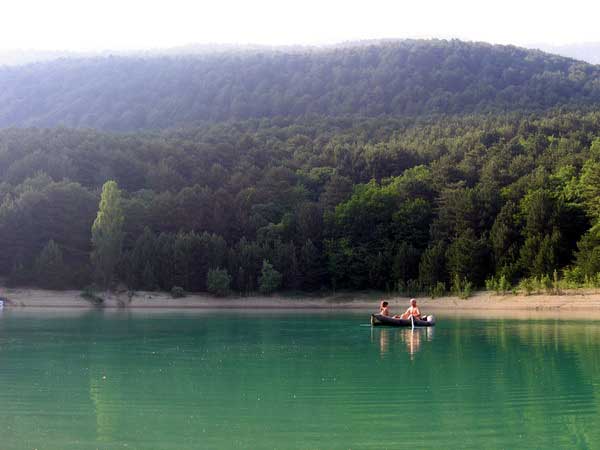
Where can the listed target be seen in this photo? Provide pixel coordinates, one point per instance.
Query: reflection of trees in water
(107, 416)
(531, 365)
(520, 379)
(412, 339)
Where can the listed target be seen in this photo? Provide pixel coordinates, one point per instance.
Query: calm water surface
(88, 380)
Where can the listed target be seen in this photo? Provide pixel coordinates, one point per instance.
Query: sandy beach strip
(581, 301)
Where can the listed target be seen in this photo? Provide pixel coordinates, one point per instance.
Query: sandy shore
(580, 301)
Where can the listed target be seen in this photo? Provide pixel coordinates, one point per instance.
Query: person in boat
(413, 310)
(383, 308)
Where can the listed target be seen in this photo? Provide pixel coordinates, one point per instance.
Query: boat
(377, 320)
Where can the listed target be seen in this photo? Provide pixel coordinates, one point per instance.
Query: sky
(90, 25)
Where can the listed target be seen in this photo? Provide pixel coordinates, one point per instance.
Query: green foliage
(403, 78)
(177, 292)
(107, 234)
(467, 256)
(491, 284)
(439, 290)
(499, 285)
(432, 267)
(574, 276)
(588, 253)
(270, 279)
(462, 288)
(50, 270)
(90, 295)
(331, 203)
(546, 284)
(218, 282)
(528, 285)
(410, 288)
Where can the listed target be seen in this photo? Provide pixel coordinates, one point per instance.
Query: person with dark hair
(383, 308)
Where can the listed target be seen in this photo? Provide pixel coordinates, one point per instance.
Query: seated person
(383, 308)
(413, 310)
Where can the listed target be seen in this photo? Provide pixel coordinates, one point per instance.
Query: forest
(396, 78)
(311, 204)
(409, 166)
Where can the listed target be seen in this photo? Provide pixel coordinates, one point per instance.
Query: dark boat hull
(377, 320)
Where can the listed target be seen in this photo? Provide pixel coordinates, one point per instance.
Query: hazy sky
(137, 24)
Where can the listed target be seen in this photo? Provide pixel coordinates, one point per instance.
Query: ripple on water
(290, 380)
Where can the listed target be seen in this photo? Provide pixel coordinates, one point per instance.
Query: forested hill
(329, 203)
(403, 78)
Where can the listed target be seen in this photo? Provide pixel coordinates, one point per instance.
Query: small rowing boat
(377, 320)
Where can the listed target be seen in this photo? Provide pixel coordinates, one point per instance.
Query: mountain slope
(399, 78)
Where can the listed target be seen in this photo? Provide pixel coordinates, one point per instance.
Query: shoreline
(580, 301)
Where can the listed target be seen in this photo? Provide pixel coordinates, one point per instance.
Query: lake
(293, 380)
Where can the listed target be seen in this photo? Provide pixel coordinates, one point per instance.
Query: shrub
(537, 285)
(546, 284)
(438, 290)
(592, 281)
(90, 295)
(412, 288)
(456, 285)
(503, 285)
(269, 280)
(177, 292)
(461, 288)
(467, 290)
(556, 284)
(491, 284)
(218, 282)
(574, 276)
(527, 285)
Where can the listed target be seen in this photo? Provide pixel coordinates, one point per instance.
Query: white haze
(83, 25)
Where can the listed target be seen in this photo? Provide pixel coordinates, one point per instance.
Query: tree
(142, 261)
(432, 267)
(50, 269)
(588, 254)
(218, 282)
(539, 254)
(312, 266)
(406, 263)
(269, 280)
(107, 234)
(467, 256)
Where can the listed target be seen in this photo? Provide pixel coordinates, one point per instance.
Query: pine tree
(50, 271)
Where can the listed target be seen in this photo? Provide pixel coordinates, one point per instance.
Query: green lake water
(293, 380)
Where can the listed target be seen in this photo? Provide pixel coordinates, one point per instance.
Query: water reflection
(183, 381)
(411, 338)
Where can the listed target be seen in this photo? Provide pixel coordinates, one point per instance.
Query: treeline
(408, 78)
(332, 204)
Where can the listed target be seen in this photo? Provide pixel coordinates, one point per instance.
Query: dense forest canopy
(405, 166)
(310, 203)
(404, 78)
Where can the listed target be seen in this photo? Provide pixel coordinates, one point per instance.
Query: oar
(412, 321)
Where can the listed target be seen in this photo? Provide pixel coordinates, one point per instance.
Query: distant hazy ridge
(396, 78)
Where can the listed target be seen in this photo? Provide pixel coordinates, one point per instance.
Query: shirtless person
(383, 308)
(413, 310)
